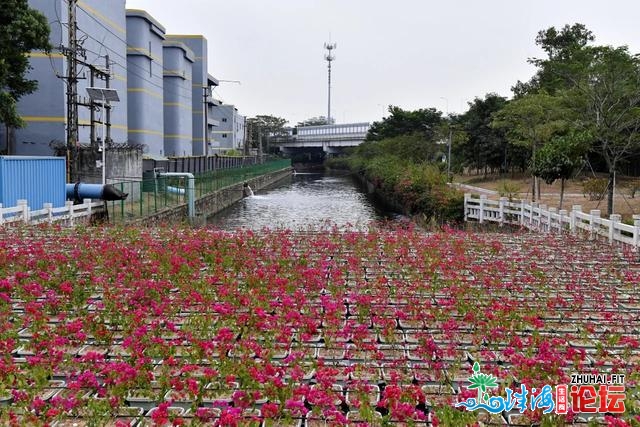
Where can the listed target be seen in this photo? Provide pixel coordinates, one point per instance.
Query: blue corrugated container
(36, 179)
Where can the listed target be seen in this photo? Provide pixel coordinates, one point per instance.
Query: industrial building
(101, 31)
(201, 85)
(145, 77)
(230, 133)
(163, 106)
(178, 118)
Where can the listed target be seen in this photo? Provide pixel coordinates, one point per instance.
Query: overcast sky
(409, 53)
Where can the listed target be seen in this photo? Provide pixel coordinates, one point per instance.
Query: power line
(74, 49)
(116, 36)
(126, 67)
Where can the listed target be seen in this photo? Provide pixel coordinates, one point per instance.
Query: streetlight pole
(449, 142)
(447, 103)
(205, 137)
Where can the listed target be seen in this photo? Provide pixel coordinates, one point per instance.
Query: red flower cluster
(183, 326)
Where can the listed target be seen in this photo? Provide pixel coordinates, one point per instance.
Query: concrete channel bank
(214, 202)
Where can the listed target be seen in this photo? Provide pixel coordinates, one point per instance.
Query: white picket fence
(540, 218)
(69, 213)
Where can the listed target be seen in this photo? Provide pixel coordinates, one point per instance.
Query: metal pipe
(175, 190)
(191, 190)
(80, 191)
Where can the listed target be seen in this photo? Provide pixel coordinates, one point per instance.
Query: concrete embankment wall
(214, 202)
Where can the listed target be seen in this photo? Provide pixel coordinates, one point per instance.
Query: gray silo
(145, 36)
(198, 44)
(178, 117)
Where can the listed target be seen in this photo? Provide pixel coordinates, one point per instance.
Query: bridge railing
(322, 134)
(335, 129)
(317, 139)
(538, 217)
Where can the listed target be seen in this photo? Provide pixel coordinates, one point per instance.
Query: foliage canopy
(23, 30)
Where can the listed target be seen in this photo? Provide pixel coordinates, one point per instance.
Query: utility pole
(449, 142)
(329, 57)
(107, 84)
(247, 134)
(106, 130)
(92, 112)
(72, 96)
(92, 105)
(72, 52)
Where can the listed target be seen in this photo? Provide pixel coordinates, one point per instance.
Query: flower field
(123, 326)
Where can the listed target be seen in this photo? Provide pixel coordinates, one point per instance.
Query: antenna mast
(329, 57)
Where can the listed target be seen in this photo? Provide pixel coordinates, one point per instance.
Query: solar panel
(103, 94)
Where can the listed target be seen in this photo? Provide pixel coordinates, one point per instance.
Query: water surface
(305, 201)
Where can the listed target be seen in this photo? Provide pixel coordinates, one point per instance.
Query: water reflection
(305, 201)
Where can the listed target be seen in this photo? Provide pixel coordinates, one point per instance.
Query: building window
(224, 119)
(224, 135)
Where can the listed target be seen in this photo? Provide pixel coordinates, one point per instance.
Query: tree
(608, 96)
(316, 121)
(23, 29)
(485, 146)
(262, 128)
(405, 148)
(531, 121)
(560, 158)
(566, 56)
(403, 122)
(600, 84)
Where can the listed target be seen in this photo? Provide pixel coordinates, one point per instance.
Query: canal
(304, 201)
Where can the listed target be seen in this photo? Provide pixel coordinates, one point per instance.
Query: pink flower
(270, 410)
(160, 415)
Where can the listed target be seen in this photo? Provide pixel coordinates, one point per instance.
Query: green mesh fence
(149, 196)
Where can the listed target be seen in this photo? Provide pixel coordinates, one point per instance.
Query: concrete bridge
(331, 139)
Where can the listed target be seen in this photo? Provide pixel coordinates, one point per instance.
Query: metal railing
(149, 196)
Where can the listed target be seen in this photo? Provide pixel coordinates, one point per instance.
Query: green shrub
(442, 203)
(233, 152)
(427, 176)
(508, 189)
(337, 163)
(403, 172)
(385, 171)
